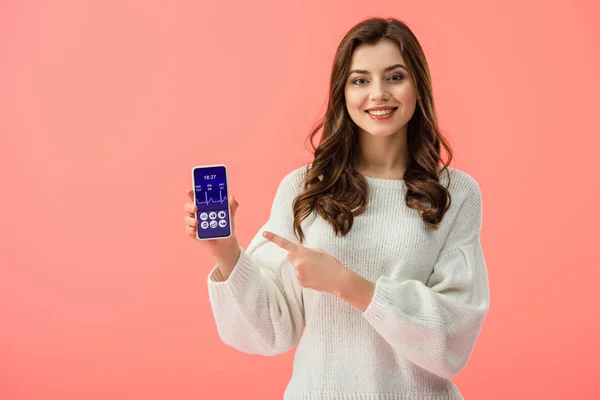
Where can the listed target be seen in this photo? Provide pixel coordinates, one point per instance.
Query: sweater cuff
(242, 274)
(380, 302)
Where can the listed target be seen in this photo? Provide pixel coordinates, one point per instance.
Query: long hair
(332, 187)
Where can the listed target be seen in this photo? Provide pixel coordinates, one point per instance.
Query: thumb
(234, 205)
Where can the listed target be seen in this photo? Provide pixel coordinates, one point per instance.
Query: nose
(379, 92)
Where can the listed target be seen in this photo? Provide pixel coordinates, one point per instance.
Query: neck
(383, 156)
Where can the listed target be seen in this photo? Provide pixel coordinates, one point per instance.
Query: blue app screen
(212, 202)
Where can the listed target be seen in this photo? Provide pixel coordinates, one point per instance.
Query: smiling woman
(384, 289)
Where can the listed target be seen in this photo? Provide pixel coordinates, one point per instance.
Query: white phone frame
(228, 204)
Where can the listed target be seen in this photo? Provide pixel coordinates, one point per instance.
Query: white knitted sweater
(419, 330)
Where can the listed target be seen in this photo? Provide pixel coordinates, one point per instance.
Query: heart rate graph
(207, 201)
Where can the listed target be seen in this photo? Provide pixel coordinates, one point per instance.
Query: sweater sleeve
(435, 324)
(259, 309)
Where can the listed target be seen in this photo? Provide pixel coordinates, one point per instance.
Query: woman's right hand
(225, 250)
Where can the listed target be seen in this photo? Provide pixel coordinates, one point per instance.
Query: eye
(400, 77)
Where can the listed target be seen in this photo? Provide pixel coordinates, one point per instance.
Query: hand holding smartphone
(211, 197)
(210, 216)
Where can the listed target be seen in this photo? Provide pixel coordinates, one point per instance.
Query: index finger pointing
(280, 241)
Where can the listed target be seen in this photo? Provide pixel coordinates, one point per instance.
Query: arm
(435, 324)
(258, 308)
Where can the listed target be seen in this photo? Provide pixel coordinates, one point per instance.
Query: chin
(382, 131)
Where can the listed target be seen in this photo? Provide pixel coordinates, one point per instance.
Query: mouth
(380, 114)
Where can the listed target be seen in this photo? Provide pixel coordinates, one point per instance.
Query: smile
(381, 114)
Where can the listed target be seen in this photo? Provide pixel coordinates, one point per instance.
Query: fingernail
(266, 234)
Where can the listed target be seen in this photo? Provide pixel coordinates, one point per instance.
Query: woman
(371, 259)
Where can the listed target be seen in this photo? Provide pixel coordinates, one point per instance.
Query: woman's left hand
(315, 268)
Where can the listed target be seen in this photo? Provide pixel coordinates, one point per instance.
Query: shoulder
(460, 183)
(466, 199)
(297, 174)
(296, 177)
(293, 181)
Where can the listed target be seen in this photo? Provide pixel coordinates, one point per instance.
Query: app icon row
(204, 224)
(212, 215)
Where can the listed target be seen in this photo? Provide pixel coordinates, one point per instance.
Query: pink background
(106, 105)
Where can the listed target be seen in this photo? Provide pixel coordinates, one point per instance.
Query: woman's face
(379, 78)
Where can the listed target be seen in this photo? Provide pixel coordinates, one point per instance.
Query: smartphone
(211, 196)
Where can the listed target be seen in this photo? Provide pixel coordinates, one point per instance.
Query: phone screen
(212, 200)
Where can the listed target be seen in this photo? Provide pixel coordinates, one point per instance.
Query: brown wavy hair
(332, 187)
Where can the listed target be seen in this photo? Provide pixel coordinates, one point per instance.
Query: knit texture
(418, 332)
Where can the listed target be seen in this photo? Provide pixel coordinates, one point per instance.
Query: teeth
(381, 112)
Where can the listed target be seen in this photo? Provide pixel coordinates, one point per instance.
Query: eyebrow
(391, 67)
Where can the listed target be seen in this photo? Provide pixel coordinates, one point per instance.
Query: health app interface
(212, 202)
